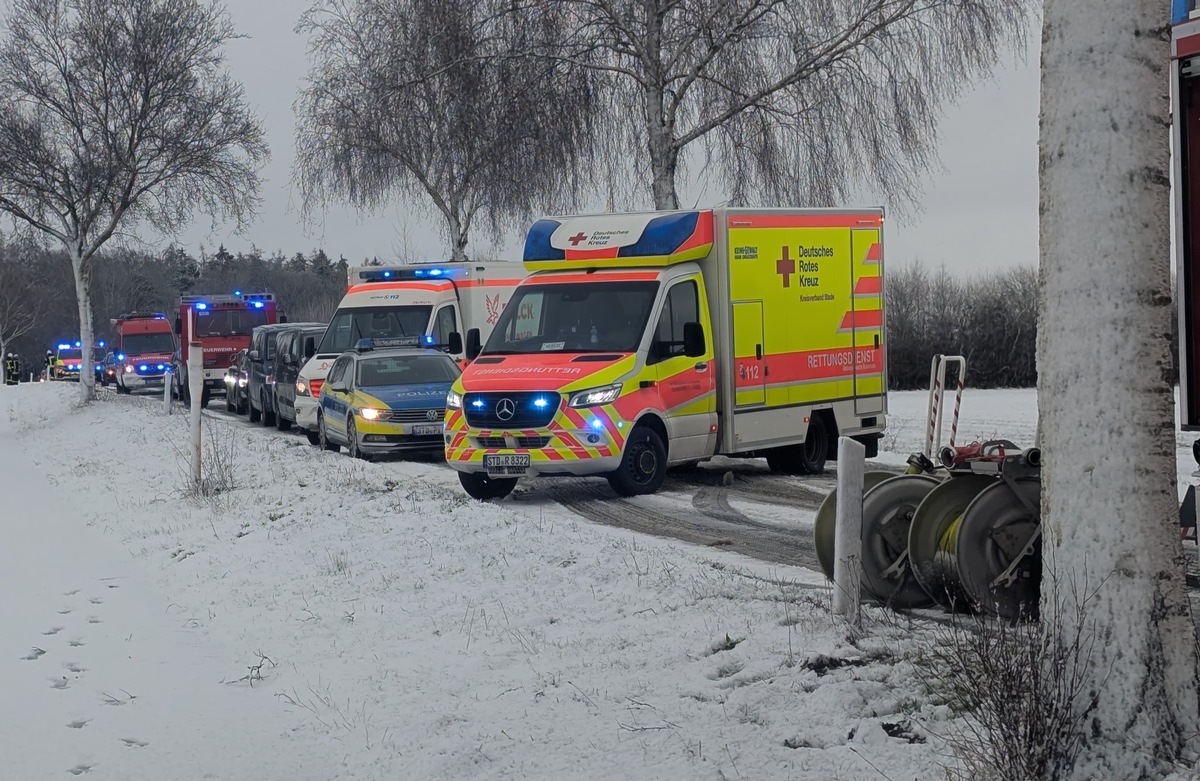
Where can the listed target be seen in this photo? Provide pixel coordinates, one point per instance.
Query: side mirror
(474, 346)
(255, 355)
(339, 386)
(178, 326)
(310, 347)
(693, 340)
(455, 346)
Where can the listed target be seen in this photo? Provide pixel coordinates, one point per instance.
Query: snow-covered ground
(335, 619)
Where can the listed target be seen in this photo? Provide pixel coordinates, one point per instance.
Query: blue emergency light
(77, 344)
(100, 343)
(64, 347)
(258, 304)
(387, 275)
(428, 339)
(477, 404)
(597, 424)
(161, 367)
(143, 367)
(200, 305)
(237, 293)
(540, 403)
(120, 356)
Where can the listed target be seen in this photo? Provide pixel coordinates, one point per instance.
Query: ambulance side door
(686, 384)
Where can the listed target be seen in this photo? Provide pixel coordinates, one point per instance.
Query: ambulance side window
(444, 326)
(682, 305)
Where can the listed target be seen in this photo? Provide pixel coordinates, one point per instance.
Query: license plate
(506, 465)
(426, 431)
(153, 381)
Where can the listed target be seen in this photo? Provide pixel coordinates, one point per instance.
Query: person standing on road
(49, 365)
(11, 367)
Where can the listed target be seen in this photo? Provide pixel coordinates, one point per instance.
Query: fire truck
(645, 341)
(68, 358)
(143, 347)
(222, 324)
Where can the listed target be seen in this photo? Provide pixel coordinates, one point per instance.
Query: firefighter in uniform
(49, 365)
(11, 368)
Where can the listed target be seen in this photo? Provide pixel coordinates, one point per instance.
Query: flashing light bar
(237, 293)
(201, 306)
(143, 367)
(257, 304)
(120, 356)
(406, 272)
(100, 343)
(64, 347)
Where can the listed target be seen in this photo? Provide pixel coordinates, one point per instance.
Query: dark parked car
(236, 382)
(261, 385)
(293, 347)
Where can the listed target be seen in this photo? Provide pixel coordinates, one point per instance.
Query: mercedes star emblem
(505, 409)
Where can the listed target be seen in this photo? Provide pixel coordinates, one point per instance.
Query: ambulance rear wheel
(806, 459)
(479, 486)
(643, 464)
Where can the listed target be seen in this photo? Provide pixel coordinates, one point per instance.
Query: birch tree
(1110, 534)
(424, 100)
(120, 112)
(784, 101)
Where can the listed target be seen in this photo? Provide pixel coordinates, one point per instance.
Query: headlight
(369, 414)
(128, 369)
(594, 397)
(453, 400)
(301, 388)
(242, 382)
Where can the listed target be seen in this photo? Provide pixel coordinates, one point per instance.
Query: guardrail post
(167, 392)
(847, 540)
(196, 391)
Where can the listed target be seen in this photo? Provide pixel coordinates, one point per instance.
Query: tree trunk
(458, 238)
(664, 156)
(1110, 535)
(83, 272)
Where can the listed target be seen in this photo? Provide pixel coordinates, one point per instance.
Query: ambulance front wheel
(806, 459)
(643, 464)
(480, 486)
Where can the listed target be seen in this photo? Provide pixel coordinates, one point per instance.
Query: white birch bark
(81, 268)
(1106, 418)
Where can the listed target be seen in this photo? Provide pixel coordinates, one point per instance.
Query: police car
(386, 395)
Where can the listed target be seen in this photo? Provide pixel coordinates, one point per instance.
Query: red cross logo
(785, 267)
(578, 237)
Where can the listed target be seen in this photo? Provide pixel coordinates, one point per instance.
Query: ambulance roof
(618, 240)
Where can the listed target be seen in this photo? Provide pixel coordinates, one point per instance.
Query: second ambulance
(645, 341)
(417, 304)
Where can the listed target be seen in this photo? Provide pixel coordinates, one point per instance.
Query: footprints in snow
(75, 671)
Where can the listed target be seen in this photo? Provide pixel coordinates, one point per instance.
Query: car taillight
(314, 387)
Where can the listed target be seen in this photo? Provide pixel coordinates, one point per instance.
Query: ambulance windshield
(373, 322)
(580, 317)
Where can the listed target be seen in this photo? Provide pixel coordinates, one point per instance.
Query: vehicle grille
(415, 416)
(482, 409)
(525, 443)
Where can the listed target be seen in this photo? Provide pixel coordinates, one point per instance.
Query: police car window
(682, 305)
(406, 370)
(375, 322)
(339, 368)
(445, 325)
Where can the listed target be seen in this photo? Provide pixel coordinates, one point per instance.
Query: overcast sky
(977, 213)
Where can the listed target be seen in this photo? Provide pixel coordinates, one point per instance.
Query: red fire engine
(223, 325)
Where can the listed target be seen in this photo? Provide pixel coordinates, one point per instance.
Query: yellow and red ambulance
(645, 341)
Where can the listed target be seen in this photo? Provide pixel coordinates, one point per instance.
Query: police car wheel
(643, 464)
(322, 434)
(352, 448)
(479, 486)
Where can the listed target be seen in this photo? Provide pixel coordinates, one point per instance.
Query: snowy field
(333, 619)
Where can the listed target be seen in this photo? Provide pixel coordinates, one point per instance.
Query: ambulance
(645, 341)
(413, 304)
(144, 346)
